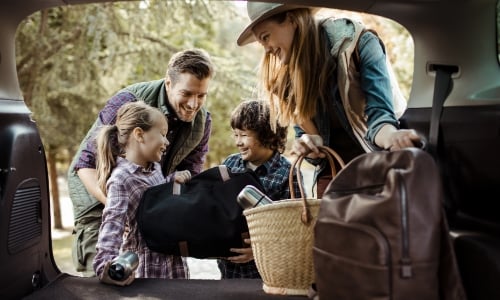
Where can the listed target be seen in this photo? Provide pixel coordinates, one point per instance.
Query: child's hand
(182, 176)
(246, 254)
(104, 278)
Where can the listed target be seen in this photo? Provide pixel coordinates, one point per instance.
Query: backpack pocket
(351, 261)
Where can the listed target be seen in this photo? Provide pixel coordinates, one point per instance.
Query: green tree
(72, 59)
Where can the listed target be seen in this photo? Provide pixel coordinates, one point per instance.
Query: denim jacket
(362, 101)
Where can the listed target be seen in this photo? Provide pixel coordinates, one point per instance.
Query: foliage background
(71, 59)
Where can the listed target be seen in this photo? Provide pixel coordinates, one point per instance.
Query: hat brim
(247, 36)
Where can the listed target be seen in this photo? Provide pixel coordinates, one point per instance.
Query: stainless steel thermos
(250, 197)
(123, 265)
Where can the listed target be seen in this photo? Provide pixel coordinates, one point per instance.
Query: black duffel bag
(200, 218)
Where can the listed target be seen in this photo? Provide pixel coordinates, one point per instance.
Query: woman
(341, 103)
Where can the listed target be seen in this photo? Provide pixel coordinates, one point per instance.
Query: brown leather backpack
(381, 232)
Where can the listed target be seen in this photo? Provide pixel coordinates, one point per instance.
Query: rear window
(71, 59)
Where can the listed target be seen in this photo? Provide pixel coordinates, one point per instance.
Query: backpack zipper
(406, 267)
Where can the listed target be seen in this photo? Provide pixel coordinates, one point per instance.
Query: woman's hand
(404, 138)
(392, 139)
(104, 278)
(182, 176)
(308, 145)
(246, 254)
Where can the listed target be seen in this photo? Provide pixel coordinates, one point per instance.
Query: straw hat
(258, 11)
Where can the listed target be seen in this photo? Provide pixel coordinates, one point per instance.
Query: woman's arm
(383, 127)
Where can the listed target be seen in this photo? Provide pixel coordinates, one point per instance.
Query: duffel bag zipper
(406, 268)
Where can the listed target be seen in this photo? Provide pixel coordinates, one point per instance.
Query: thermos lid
(250, 197)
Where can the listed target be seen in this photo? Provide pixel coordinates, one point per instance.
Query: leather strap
(183, 248)
(224, 173)
(331, 155)
(176, 188)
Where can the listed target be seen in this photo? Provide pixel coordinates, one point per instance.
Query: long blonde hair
(112, 139)
(295, 88)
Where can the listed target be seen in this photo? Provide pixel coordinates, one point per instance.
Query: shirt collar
(268, 166)
(133, 167)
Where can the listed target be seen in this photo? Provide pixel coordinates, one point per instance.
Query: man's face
(187, 95)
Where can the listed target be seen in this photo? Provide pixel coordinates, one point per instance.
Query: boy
(260, 149)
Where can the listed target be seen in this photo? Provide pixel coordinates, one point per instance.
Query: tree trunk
(54, 189)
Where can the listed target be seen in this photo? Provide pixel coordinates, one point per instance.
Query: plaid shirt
(125, 187)
(273, 175)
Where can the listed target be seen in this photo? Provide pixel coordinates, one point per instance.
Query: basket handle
(331, 155)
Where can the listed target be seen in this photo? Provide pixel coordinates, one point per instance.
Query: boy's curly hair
(254, 115)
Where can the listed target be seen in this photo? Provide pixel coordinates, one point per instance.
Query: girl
(127, 164)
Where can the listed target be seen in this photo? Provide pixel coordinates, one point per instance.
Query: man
(180, 96)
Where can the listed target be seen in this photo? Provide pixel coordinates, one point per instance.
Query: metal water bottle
(250, 197)
(123, 265)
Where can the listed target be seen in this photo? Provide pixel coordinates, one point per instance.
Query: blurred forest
(71, 59)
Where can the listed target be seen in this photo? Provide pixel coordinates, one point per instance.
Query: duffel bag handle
(223, 171)
(331, 155)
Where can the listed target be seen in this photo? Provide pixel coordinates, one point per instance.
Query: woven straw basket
(282, 237)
